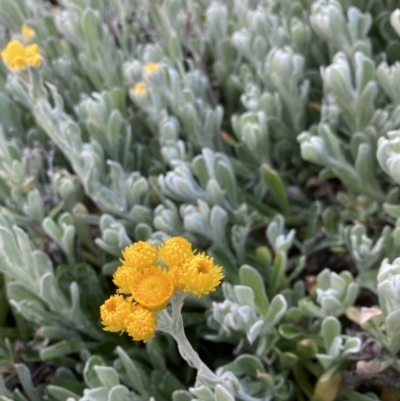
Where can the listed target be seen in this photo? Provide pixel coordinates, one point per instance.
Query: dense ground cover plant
(263, 134)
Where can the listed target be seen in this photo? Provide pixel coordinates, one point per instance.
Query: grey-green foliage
(337, 346)
(351, 86)
(334, 294)
(251, 101)
(247, 311)
(343, 31)
(388, 279)
(36, 294)
(368, 255)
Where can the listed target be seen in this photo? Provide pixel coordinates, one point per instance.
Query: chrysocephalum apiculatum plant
(150, 149)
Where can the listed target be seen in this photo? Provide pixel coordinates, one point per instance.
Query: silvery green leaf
(244, 295)
(252, 278)
(388, 77)
(35, 206)
(395, 20)
(312, 148)
(330, 305)
(89, 372)
(325, 360)
(330, 330)
(276, 310)
(254, 331)
(51, 294)
(61, 348)
(202, 393)
(181, 395)
(26, 381)
(239, 236)
(118, 393)
(286, 71)
(133, 373)
(275, 185)
(277, 276)
(107, 376)
(34, 311)
(352, 345)
(222, 394)
(143, 232)
(95, 394)
(61, 393)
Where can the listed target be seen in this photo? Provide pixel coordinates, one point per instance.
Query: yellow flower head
(123, 278)
(16, 56)
(114, 312)
(175, 251)
(200, 275)
(27, 33)
(151, 68)
(140, 90)
(153, 289)
(33, 56)
(140, 255)
(141, 324)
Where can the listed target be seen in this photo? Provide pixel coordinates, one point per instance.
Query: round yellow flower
(200, 275)
(27, 33)
(151, 68)
(123, 278)
(140, 90)
(175, 251)
(33, 57)
(14, 55)
(140, 255)
(141, 324)
(114, 312)
(153, 289)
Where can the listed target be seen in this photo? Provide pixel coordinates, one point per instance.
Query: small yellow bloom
(123, 278)
(200, 275)
(153, 289)
(27, 33)
(151, 68)
(140, 90)
(140, 255)
(33, 56)
(140, 324)
(16, 56)
(114, 312)
(175, 251)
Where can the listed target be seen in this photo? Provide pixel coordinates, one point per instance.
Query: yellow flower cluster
(149, 277)
(16, 56)
(140, 89)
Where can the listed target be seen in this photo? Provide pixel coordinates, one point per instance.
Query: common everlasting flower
(147, 281)
(27, 33)
(200, 276)
(16, 56)
(151, 68)
(175, 251)
(114, 311)
(140, 90)
(140, 324)
(153, 289)
(139, 255)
